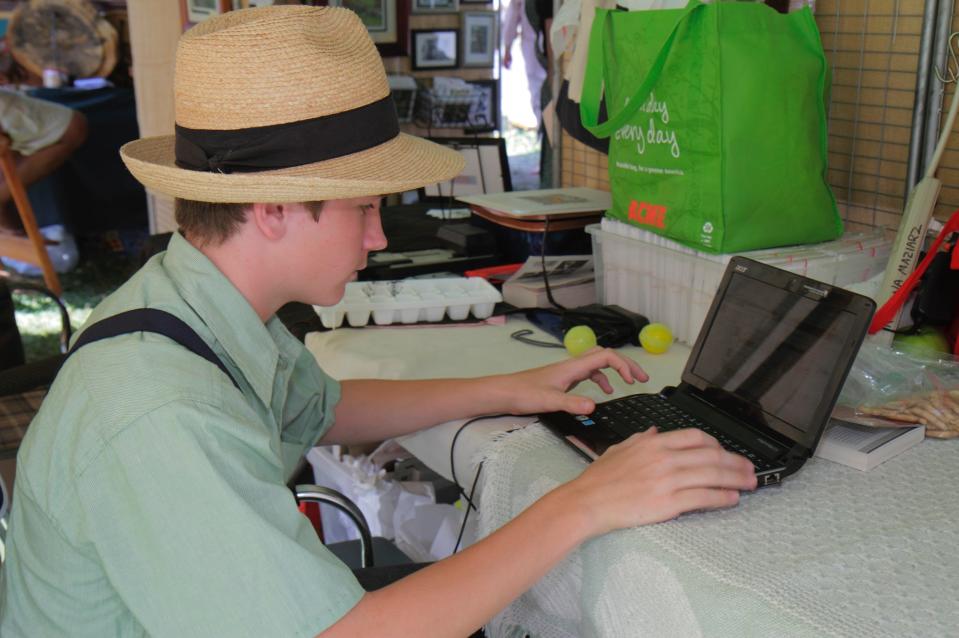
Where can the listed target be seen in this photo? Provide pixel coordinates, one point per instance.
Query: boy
(151, 498)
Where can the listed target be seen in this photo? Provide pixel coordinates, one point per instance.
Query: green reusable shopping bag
(717, 123)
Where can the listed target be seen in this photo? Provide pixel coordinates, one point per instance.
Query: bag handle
(595, 69)
(888, 310)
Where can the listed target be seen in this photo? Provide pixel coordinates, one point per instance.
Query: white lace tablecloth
(831, 552)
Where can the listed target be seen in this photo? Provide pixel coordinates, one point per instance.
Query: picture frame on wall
(485, 109)
(387, 22)
(434, 49)
(194, 11)
(479, 38)
(435, 6)
(486, 169)
(251, 4)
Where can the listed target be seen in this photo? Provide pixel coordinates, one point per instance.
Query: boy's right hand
(653, 477)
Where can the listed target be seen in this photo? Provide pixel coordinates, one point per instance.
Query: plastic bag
(906, 386)
(368, 486)
(427, 533)
(403, 511)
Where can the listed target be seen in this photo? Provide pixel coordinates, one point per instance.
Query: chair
(32, 248)
(4, 499)
(4, 524)
(372, 551)
(327, 496)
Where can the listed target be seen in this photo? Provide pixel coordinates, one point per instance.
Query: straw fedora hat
(284, 104)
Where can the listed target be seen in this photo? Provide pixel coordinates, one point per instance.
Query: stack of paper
(571, 281)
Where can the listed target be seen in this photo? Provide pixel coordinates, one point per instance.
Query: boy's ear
(271, 220)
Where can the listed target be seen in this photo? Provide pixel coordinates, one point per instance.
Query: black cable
(466, 514)
(542, 263)
(523, 336)
(453, 449)
(448, 213)
(613, 326)
(479, 160)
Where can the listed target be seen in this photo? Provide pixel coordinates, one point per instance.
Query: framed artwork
(484, 111)
(194, 11)
(435, 6)
(486, 170)
(435, 49)
(386, 20)
(249, 4)
(479, 38)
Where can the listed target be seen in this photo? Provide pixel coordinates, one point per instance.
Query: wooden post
(154, 29)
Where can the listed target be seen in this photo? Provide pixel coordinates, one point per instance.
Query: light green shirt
(151, 494)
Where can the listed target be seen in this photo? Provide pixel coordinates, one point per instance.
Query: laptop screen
(775, 350)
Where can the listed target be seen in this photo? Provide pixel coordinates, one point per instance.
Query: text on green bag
(646, 136)
(647, 214)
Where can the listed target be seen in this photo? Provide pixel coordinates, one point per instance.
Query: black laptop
(763, 376)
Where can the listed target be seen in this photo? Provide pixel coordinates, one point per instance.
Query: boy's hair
(215, 222)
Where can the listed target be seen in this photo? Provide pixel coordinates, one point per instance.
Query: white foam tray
(411, 301)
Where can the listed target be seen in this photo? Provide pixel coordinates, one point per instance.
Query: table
(831, 552)
(422, 352)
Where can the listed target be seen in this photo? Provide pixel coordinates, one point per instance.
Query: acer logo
(647, 214)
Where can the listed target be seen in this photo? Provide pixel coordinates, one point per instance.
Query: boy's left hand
(545, 389)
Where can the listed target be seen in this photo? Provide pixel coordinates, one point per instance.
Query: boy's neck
(250, 272)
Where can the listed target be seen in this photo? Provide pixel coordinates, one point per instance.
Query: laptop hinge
(772, 444)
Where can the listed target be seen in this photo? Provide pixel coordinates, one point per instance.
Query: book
(541, 203)
(863, 447)
(571, 280)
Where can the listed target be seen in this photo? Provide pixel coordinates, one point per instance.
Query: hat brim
(401, 164)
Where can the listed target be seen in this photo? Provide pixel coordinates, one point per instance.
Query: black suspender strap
(150, 320)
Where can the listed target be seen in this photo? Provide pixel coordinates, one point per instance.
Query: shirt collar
(232, 322)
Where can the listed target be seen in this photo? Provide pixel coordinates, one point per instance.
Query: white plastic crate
(411, 301)
(673, 284)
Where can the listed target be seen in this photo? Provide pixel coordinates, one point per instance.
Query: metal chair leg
(325, 495)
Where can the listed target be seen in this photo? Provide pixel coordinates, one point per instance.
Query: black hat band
(265, 148)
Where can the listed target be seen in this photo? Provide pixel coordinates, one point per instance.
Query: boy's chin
(331, 296)
(327, 298)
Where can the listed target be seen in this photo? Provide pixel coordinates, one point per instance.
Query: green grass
(100, 272)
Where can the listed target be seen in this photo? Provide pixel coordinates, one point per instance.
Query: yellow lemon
(655, 338)
(579, 339)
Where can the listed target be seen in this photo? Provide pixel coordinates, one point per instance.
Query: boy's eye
(368, 207)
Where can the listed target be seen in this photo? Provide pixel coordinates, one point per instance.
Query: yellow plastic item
(656, 338)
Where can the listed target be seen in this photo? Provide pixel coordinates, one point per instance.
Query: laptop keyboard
(639, 412)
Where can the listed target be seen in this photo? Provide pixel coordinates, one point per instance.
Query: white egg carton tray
(411, 301)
